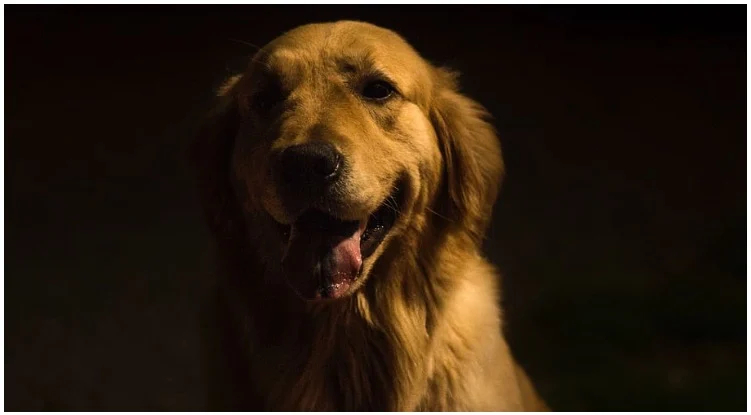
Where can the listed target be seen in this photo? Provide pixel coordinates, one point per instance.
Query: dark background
(621, 227)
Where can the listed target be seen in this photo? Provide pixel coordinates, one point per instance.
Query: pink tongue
(342, 263)
(318, 263)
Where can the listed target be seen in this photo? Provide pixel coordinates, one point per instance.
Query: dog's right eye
(378, 90)
(268, 98)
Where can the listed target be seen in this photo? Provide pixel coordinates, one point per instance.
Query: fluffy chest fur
(405, 345)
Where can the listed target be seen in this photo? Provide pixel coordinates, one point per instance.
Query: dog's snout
(312, 164)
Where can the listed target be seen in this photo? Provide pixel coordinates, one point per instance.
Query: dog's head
(337, 139)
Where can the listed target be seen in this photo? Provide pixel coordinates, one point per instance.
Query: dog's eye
(268, 98)
(378, 90)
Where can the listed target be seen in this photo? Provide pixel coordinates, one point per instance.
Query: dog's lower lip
(373, 236)
(379, 224)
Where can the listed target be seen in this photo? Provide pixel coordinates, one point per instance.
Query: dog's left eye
(378, 90)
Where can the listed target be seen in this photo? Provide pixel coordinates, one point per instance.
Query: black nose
(310, 164)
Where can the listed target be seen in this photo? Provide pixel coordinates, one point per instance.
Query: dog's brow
(365, 64)
(361, 60)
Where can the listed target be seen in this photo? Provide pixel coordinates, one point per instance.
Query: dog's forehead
(340, 45)
(341, 37)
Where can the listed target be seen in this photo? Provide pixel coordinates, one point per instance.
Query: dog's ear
(210, 155)
(473, 165)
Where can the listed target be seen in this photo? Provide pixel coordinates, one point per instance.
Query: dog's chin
(324, 257)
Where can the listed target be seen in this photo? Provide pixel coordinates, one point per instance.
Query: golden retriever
(348, 185)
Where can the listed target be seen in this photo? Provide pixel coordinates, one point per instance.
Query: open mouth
(324, 255)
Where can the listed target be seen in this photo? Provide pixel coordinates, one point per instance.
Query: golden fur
(421, 329)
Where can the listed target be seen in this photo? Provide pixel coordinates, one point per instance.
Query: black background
(620, 228)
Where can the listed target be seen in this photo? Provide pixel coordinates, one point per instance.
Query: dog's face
(343, 138)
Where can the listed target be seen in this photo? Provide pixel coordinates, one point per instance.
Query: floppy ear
(210, 158)
(473, 165)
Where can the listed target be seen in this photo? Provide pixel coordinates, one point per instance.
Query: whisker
(259, 51)
(438, 214)
(391, 202)
(257, 59)
(245, 43)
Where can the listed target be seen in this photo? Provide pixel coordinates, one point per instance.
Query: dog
(348, 186)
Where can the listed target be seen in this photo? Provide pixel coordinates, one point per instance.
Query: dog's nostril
(326, 167)
(310, 163)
